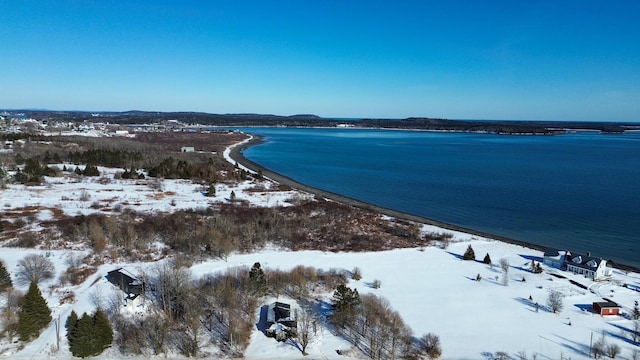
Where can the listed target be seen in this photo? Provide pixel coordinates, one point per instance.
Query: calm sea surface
(578, 191)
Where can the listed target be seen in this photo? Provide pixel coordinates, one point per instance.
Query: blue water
(577, 191)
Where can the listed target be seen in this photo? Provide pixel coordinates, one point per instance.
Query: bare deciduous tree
(304, 333)
(504, 265)
(554, 301)
(599, 347)
(613, 350)
(34, 268)
(9, 319)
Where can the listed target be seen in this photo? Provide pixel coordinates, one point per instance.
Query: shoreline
(235, 153)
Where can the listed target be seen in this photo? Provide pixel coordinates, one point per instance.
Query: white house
(187, 149)
(587, 265)
(590, 267)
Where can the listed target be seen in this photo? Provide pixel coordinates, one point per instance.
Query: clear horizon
(499, 60)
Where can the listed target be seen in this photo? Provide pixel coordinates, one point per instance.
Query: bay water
(578, 191)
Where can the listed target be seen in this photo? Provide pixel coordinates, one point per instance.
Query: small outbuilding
(280, 323)
(606, 308)
(132, 288)
(187, 149)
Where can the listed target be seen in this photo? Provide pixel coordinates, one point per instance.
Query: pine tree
(257, 279)
(469, 254)
(90, 335)
(72, 326)
(345, 301)
(211, 191)
(538, 269)
(82, 344)
(34, 314)
(5, 278)
(636, 311)
(102, 331)
(487, 259)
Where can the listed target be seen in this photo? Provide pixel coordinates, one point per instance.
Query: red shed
(606, 308)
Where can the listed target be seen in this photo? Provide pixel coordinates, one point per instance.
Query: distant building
(606, 308)
(587, 265)
(187, 149)
(129, 285)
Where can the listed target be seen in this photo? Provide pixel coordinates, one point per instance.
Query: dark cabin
(126, 282)
(280, 313)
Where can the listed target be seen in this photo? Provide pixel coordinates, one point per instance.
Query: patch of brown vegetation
(213, 141)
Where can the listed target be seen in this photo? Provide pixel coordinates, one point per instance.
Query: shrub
(376, 284)
(84, 196)
(487, 259)
(356, 274)
(430, 346)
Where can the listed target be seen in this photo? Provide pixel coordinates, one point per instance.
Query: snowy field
(432, 288)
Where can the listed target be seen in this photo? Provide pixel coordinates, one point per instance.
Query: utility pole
(57, 327)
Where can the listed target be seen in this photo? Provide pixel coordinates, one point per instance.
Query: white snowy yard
(433, 289)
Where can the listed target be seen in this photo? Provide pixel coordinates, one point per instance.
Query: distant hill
(310, 120)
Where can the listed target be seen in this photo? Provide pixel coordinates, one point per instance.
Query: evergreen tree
(345, 300)
(211, 190)
(91, 170)
(72, 326)
(83, 339)
(102, 330)
(5, 278)
(232, 197)
(257, 279)
(538, 269)
(90, 335)
(469, 254)
(636, 311)
(487, 259)
(34, 314)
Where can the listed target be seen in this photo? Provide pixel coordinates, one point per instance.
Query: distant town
(120, 123)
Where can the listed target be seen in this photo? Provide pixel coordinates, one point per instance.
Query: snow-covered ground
(76, 195)
(432, 288)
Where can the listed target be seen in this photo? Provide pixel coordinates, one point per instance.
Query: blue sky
(518, 60)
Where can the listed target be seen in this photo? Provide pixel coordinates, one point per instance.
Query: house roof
(555, 253)
(606, 304)
(125, 281)
(584, 261)
(279, 312)
(551, 252)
